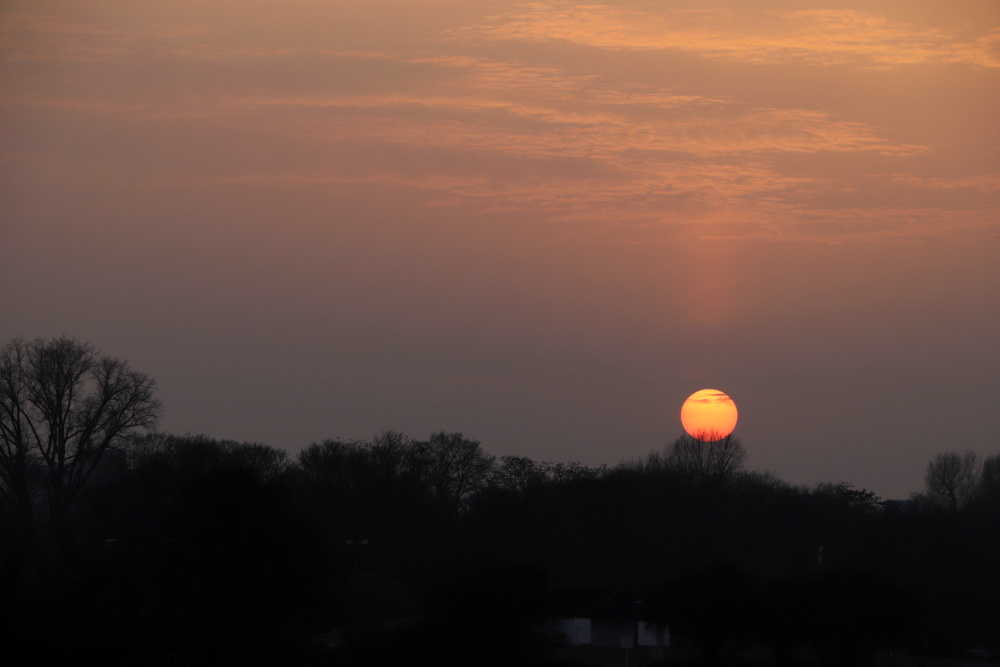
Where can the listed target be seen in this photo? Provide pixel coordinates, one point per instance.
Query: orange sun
(708, 415)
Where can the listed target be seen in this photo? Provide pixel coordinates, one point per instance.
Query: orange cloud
(820, 37)
(498, 130)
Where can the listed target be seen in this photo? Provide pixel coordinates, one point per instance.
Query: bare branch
(62, 403)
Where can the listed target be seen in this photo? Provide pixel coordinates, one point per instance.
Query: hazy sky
(542, 224)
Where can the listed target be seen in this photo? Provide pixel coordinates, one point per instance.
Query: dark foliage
(193, 551)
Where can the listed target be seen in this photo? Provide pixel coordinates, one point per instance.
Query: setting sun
(708, 415)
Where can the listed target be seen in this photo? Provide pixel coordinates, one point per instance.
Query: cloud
(987, 183)
(501, 129)
(818, 37)
(539, 113)
(710, 396)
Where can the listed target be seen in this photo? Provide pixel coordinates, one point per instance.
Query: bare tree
(563, 473)
(333, 463)
(989, 475)
(62, 406)
(148, 447)
(263, 460)
(988, 491)
(393, 455)
(457, 468)
(859, 499)
(518, 474)
(951, 479)
(698, 460)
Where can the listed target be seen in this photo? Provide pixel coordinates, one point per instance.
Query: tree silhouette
(988, 489)
(456, 468)
(518, 474)
(210, 557)
(701, 461)
(219, 552)
(951, 479)
(62, 406)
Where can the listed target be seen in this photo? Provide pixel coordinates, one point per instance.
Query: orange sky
(543, 224)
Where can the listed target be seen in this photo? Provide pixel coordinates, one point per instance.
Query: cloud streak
(568, 143)
(814, 37)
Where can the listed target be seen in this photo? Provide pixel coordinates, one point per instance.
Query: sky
(541, 224)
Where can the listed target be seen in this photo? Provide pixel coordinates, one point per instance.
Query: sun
(708, 415)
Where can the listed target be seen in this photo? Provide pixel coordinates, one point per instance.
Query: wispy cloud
(503, 132)
(527, 112)
(820, 37)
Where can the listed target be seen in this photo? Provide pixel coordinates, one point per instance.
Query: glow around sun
(708, 415)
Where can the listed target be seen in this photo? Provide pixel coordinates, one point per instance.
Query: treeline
(200, 551)
(136, 547)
